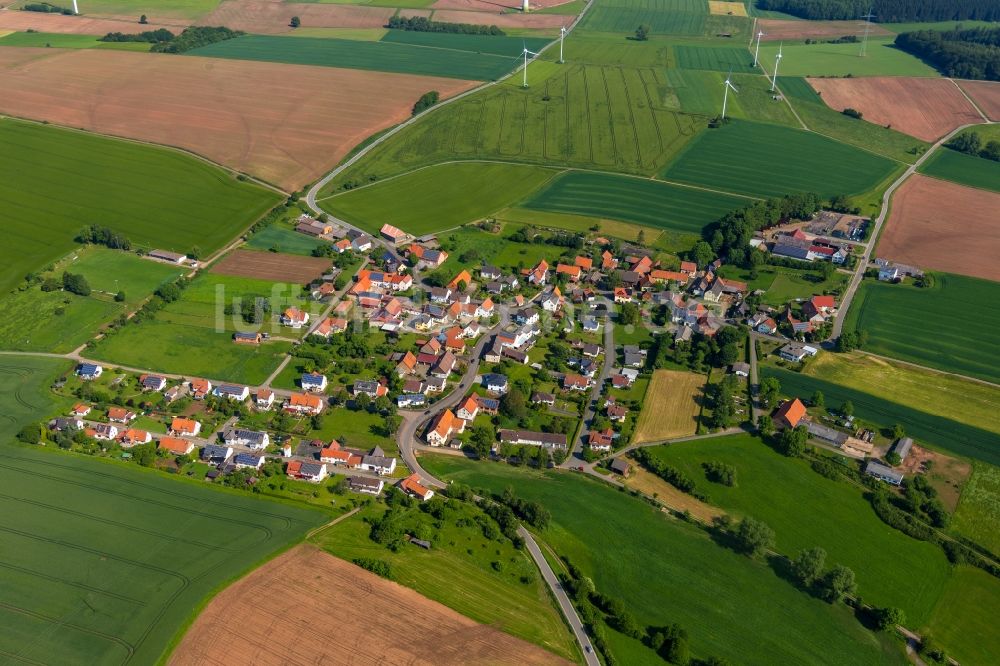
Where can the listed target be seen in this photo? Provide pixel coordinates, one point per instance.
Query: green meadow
(55, 181)
(438, 197)
(963, 169)
(667, 571)
(949, 326)
(433, 58)
(963, 621)
(166, 8)
(640, 200)
(462, 553)
(782, 284)
(882, 59)
(805, 509)
(506, 47)
(759, 159)
(107, 563)
(978, 512)
(58, 321)
(283, 239)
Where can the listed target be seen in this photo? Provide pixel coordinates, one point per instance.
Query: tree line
(887, 11)
(424, 24)
(148, 36)
(164, 41)
(46, 8)
(968, 54)
(971, 143)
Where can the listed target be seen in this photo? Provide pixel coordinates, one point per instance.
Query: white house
(314, 382)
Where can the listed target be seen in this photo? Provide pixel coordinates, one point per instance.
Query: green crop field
(506, 47)
(486, 595)
(667, 571)
(65, 41)
(715, 58)
(805, 509)
(978, 513)
(24, 391)
(667, 17)
(963, 338)
(700, 91)
(964, 169)
(284, 239)
(438, 197)
(383, 56)
(193, 336)
(55, 181)
(607, 118)
(962, 622)
(105, 563)
(163, 8)
(600, 49)
(767, 160)
(883, 59)
(821, 118)
(939, 432)
(59, 321)
(639, 200)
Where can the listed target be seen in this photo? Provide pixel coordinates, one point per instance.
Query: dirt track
(925, 108)
(272, 266)
(943, 226)
(777, 30)
(986, 94)
(287, 124)
(307, 607)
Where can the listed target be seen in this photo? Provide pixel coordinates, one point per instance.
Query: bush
(720, 472)
(30, 434)
(853, 113)
(426, 101)
(376, 566)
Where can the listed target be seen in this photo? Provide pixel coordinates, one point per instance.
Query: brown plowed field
(513, 20)
(925, 108)
(943, 226)
(494, 6)
(272, 16)
(777, 30)
(307, 607)
(272, 266)
(75, 25)
(287, 124)
(986, 94)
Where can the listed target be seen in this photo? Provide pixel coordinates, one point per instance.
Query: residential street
(575, 455)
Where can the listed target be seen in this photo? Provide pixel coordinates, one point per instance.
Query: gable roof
(791, 411)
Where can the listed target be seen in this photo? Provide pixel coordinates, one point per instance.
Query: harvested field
(77, 25)
(776, 30)
(943, 226)
(925, 108)
(986, 94)
(286, 124)
(272, 266)
(649, 484)
(270, 17)
(270, 616)
(671, 406)
(721, 8)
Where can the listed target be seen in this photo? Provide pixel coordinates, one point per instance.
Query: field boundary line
(971, 101)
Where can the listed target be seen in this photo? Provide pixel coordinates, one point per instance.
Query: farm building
(363, 484)
(548, 440)
(880, 471)
(391, 233)
(411, 486)
(902, 447)
(790, 413)
(247, 338)
(169, 257)
(620, 466)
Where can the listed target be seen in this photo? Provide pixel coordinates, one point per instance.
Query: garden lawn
(955, 437)
(428, 59)
(766, 160)
(964, 169)
(805, 509)
(978, 513)
(883, 59)
(58, 321)
(963, 621)
(462, 554)
(283, 239)
(107, 562)
(158, 198)
(667, 571)
(821, 118)
(950, 326)
(638, 200)
(355, 429)
(782, 284)
(439, 197)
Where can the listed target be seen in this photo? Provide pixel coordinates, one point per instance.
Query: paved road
(576, 454)
(863, 260)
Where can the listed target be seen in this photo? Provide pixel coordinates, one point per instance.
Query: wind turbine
(726, 85)
(777, 61)
(526, 53)
(562, 36)
(76, 10)
(756, 51)
(868, 25)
